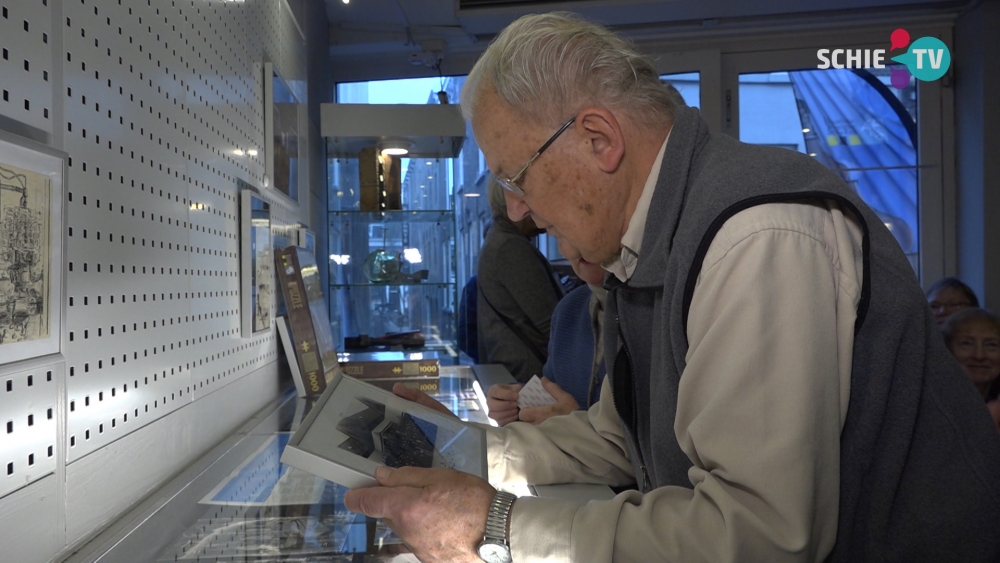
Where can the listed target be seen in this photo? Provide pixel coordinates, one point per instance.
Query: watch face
(494, 552)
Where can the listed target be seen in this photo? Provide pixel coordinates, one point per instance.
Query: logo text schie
(851, 58)
(927, 58)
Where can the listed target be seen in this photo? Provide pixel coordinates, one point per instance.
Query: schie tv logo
(926, 59)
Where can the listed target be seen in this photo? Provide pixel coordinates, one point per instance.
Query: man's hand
(565, 404)
(418, 396)
(439, 513)
(501, 400)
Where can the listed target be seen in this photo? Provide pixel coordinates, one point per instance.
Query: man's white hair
(548, 66)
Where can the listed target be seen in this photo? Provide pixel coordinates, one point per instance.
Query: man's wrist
(495, 547)
(510, 513)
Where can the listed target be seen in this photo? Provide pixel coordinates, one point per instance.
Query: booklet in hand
(354, 427)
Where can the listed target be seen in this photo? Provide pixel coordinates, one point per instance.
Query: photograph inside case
(355, 427)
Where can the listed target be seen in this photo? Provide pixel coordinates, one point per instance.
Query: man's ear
(606, 137)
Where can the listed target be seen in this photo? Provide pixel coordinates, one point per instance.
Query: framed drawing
(282, 115)
(31, 248)
(354, 427)
(256, 274)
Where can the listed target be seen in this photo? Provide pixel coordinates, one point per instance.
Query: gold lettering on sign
(296, 296)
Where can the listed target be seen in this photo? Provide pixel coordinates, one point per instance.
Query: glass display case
(394, 272)
(239, 503)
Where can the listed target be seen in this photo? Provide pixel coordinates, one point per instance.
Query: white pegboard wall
(28, 401)
(160, 100)
(26, 62)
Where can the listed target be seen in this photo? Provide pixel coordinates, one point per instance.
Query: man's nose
(516, 208)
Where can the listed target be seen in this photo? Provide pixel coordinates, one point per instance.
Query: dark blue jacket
(571, 348)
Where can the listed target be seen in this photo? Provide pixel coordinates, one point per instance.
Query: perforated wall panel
(159, 107)
(28, 413)
(26, 62)
(153, 236)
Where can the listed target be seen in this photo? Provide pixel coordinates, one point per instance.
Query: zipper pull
(646, 484)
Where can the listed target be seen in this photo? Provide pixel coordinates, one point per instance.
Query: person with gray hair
(517, 293)
(973, 336)
(949, 295)
(777, 389)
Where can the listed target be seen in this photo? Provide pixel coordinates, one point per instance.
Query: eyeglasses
(510, 184)
(949, 306)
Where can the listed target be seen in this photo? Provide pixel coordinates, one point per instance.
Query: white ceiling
(396, 38)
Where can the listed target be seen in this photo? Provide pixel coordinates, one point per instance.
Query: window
(851, 121)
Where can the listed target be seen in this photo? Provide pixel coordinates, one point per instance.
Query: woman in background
(973, 336)
(949, 295)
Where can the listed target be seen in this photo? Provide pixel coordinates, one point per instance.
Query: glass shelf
(402, 284)
(377, 309)
(420, 238)
(239, 503)
(401, 216)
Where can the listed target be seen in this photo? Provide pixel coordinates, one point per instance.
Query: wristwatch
(494, 547)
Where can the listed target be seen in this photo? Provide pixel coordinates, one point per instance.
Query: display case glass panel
(394, 271)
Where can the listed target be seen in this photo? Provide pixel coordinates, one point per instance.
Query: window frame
(720, 68)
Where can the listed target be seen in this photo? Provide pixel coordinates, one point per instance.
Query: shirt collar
(623, 265)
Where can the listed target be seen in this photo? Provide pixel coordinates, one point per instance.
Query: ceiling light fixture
(395, 147)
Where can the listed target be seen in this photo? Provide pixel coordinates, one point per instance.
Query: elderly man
(776, 390)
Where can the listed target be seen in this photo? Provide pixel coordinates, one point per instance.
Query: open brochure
(355, 427)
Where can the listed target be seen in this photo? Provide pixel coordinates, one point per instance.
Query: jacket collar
(687, 138)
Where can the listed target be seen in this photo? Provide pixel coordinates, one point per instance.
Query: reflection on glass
(286, 139)
(853, 122)
(421, 294)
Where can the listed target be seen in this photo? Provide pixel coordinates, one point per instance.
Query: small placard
(533, 394)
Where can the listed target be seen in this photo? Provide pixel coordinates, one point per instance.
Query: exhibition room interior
(145, 146)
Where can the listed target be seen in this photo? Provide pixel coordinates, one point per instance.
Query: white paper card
(534, 395)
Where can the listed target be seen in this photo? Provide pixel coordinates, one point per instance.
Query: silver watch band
(499, 513)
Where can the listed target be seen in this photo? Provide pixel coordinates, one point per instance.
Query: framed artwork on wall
(32, 188)
(283, 143)
(256, 259)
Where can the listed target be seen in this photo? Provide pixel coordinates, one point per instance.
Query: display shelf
(239, 503)
(376, 309)
(416, 243)
(394, 284)
(401, 216)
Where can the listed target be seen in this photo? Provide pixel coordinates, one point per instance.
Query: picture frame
(307, 239)
(256, 264)
(283, 140)
(354, 427)
(32, 212)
